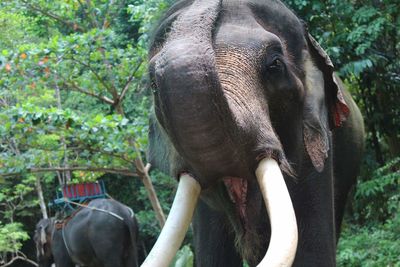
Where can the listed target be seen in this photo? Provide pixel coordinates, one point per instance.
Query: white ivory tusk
(177, 223)
(283, 243)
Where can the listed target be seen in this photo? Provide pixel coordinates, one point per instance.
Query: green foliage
(146, 13)
(378, 199)
(15, 29)
(377, 210)
(99, 141)
(17, 198)
(11, 237)
(184, 258)
(371, 246)
(91, 74)
(72, 99)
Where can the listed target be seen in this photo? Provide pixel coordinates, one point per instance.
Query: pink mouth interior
(237, 189)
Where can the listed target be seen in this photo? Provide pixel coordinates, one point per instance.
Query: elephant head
(242, 93)
(42, 238)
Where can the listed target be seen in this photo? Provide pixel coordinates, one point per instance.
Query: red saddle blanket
(82, 190)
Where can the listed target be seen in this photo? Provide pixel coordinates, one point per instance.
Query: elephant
(262, 135)
(103, 234)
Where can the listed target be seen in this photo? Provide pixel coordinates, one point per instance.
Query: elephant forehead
(252, 37)
(257, 23)
(236, 24)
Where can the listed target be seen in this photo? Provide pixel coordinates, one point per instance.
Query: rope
(130, 210)
(93, 208)
(65, 241)
(67, 247)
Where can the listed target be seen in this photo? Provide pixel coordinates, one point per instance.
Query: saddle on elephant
(71, 196)
(62, 220)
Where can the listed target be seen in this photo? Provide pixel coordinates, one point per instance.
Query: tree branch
(91, 15)
(106, 14)
(143, 173)
(80, 146)
(130, 79)
(112, 88)
(109, 89)
(70, 24)
(125, 172)
(75, 87)
(19, 257)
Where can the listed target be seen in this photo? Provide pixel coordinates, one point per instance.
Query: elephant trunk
(188, 106)
(189, 102)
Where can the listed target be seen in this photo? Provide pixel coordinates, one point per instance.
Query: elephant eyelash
(276, 64)
(153, 86)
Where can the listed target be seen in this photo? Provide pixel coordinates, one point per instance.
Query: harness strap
(129, 209)
(93, 208)
(131, 212)
(65, 241)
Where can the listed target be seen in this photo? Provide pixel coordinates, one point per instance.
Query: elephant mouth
(284, 235)
(237, 191)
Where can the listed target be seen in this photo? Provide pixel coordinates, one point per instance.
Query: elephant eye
(153, 86)
(275, 65)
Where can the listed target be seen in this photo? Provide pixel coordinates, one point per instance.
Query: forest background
(74, 106)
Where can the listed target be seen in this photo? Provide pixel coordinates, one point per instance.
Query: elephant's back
(96, 229)
(99, 213)
(111, 206)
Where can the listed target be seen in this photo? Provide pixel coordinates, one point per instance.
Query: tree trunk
(41, 198)
(143, 172)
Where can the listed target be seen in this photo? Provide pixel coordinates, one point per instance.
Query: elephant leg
(106, 237)
(66, 262)
(131, 259)
(213, 240)
(114, 263)
(348, 150)
(343, 185)
(60, 252)
(109, 260)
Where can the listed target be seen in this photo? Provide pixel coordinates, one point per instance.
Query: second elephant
(103, 234)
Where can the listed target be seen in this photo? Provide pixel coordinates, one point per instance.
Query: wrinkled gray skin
(94, 238)
(238, 81)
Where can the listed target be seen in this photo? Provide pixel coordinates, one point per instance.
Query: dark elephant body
(102, 235)
(238, 81)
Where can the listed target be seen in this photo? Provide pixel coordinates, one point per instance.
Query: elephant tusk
(283, 243)
(177, 223)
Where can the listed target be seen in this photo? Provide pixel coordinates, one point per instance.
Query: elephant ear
(324, 105)
(41, 238)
